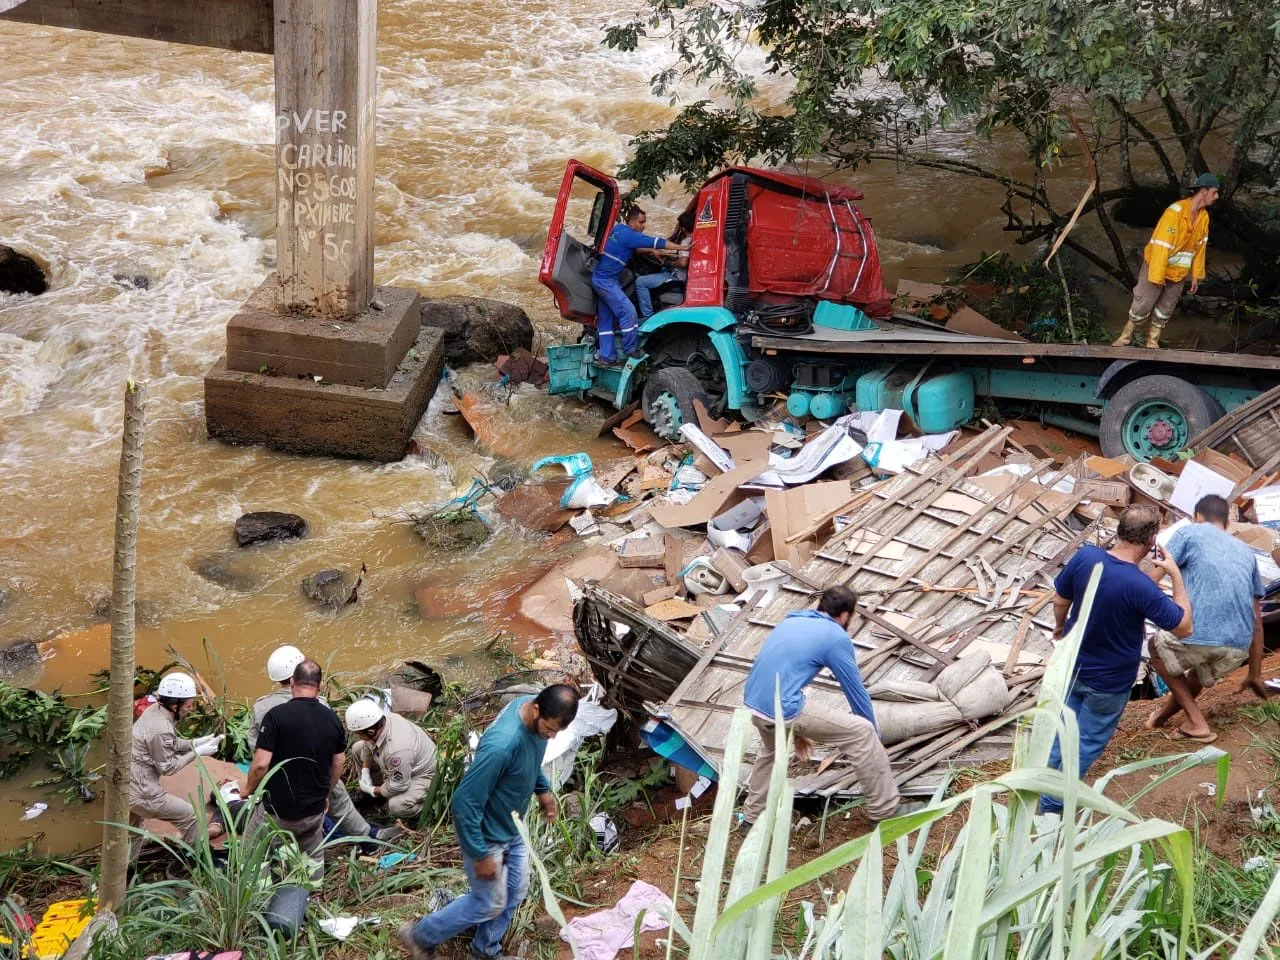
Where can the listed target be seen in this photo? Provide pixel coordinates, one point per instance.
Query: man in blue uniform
(615, 313)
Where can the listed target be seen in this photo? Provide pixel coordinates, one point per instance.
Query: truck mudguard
(719, 324)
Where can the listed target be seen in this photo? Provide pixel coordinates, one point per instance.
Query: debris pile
(694, 551)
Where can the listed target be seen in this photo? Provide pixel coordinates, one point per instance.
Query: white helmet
(362, 715)
(282, 661)
(179, 686)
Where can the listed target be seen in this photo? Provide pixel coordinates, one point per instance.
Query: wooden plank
(245, 25)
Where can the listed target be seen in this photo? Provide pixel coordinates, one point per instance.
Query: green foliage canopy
(1160, 86)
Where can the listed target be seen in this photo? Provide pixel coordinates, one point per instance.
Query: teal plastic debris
(389, 860)
(574, 464)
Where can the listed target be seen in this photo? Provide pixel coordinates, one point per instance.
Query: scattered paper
(832, 446)
(341, 927)
(707, 447)
(1266, 504)
(700, 787)
(35, 810)
(1197, 481)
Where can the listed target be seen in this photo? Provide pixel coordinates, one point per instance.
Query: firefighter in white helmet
(397, 759)
(342, 813)
(158, 751)
(280, 666)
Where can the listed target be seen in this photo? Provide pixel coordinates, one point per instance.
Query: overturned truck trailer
(955, 580)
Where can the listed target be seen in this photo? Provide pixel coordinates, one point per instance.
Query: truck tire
(1155, 416)
(668, 401)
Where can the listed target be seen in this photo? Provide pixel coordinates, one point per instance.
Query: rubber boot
(1125, 335)
(1153, 335)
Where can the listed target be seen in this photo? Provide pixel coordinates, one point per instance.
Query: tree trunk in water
(115, 833)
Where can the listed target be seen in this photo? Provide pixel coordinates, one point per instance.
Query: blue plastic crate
(838, 316)
(567, 367)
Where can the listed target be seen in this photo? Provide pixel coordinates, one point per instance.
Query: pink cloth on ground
(600, 935)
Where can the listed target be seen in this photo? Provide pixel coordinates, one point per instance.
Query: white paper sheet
(1197, 481)
(830, 447)
(708, 447)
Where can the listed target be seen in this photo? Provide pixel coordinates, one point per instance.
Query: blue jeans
(1097, 715)
(615, 313)
(645, 285)
(488, 906)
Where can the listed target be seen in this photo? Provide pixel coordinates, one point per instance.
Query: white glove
(366, 781)
(208, 746)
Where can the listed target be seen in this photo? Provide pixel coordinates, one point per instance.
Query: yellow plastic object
(58, 928)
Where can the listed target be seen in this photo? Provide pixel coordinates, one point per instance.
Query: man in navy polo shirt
(1111, 649)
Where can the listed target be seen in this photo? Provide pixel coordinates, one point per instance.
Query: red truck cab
(759, 237)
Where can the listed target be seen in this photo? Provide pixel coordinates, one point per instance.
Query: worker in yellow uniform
(1176, 250)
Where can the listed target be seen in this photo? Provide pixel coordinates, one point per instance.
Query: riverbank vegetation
(975, 873)
(1143, 97)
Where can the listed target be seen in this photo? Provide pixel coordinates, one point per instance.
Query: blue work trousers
(1097, 715)
(488, 906)
(615, 314)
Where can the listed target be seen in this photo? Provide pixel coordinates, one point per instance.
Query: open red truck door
(586, 209)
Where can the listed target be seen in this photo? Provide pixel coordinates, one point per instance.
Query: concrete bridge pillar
(326, 87)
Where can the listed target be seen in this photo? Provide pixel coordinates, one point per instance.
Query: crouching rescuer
(1175, 252)
(157, 751)
(397, 759)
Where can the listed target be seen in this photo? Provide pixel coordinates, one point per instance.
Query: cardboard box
(1113, 493)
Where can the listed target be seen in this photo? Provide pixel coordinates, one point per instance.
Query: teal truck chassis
(1143, 402)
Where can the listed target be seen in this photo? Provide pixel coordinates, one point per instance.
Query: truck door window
(587, 207)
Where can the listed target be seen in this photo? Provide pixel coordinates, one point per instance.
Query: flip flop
(1181, 734)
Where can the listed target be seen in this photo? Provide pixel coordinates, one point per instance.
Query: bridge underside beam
(246, 25)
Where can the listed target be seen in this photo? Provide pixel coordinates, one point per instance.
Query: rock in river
(227, 569)
(269, 525)
(477, 330)
(20, 273)
(333, 588)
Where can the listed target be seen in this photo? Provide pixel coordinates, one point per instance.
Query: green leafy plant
(221, 904)
(34, 723)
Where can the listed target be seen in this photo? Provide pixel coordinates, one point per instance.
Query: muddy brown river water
(129, 157)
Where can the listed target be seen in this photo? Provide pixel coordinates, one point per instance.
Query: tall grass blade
(864, 906)
(971, 883)
(1256, 932)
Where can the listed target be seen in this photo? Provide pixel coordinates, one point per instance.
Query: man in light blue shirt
(793, 653)
(1225, 590)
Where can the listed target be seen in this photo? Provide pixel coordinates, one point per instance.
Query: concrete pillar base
(299, 415)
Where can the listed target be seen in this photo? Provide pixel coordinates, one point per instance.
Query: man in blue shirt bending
(615, 313)
(1225, 589)
(791, 656)
(1111, 648)
(506, 772)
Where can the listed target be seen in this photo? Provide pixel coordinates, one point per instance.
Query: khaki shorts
(1209, 664)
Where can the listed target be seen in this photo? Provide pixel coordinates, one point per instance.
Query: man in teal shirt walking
(505, 774)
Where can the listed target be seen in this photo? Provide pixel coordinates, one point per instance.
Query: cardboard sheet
(1198, 481)
(791, 511)
(750, 451)
(970, 321)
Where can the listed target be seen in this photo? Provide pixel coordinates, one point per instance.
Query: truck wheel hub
(665, 417)
(1160, 433)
